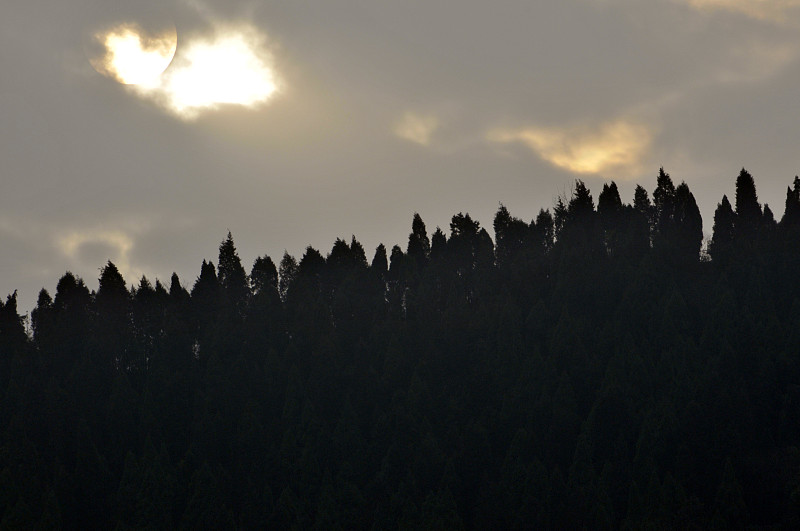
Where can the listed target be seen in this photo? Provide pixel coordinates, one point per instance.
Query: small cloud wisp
(416, 128)
(619, 147)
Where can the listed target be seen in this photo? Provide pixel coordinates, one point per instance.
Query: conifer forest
(601, 366)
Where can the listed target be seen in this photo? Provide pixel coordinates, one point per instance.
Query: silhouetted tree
(359, 256)
(722, 239)
(287, 273)
(396, 263)
(264, 276)
(609, 210)
(12, 329)
(380, 264)
(791, 213)
(664, 212)
(113, 311)
(662, 389)
(544, 230)
(748, 211)
(419, 247)
(206, 299)
(176, 291)
(112, 297)
(688, 224)
(232, 277)
(42, 320)
(510, 233)
(640, 224)
(312, 264)
(438, 245)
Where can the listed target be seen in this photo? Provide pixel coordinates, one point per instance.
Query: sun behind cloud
(132, 56)
(230, 67)
(618, 147)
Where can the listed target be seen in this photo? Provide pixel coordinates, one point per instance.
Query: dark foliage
(589, 369)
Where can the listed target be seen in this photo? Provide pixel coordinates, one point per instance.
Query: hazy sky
(380, 109)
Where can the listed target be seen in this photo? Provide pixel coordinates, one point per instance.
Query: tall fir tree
(722, 238)
(232, 276)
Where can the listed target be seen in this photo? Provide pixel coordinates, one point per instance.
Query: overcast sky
(382, 109)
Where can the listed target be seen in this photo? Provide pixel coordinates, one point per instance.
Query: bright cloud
(133, 57)
(417, 128)
(228, 69)
(232, 67)
(618, 147)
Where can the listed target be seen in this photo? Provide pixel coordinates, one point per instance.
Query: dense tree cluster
(594, 368)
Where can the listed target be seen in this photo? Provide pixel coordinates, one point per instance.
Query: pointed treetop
(339, 255)
(641, 201)
(144, 284)
(110, 278)
(287, 272)
(791, 213)
(175, 288)
(12, 330)
(71, 290)
(231, 274)
(11, 301)
(206, 285)
(747, 207)
(544, 229)
(419, 246)
(503, 216)
(689, 222)
(112, 292)
(264, 275)
(208, 271)
(395, 261)
(665, 189)
(44, 300)
(581, 204)
(312, 262)
(722, 237)
(357, 252)
(769, 217)
(609, 201)
(544, 216)
(379, 262)
(463, 225)
(438, 243)
(44, 305)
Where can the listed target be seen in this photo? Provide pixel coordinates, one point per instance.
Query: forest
(599, 367)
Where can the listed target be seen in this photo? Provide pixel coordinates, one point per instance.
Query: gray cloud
(776, 11)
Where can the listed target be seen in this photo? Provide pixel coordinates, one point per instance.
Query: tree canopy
(593, 367)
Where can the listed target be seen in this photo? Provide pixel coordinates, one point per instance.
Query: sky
(294, 123)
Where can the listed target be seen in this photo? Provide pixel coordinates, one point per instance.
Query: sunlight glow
(133, 58)
(227, 70)
(231, 67)
(618, 147)
(119, 245)
(417, 128)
